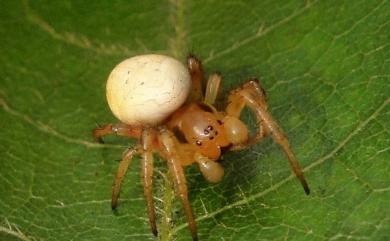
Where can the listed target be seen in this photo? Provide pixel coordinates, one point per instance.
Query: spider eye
(210, 128)
(198, 142)
(220, 122)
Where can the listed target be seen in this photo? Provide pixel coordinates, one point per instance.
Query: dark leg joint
(154, 231)
(256, 84)
(305, 186)
(100, 131)
(194, 237)
(113, 206)
(193, 63)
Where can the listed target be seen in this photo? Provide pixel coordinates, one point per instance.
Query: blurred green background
(325, 66)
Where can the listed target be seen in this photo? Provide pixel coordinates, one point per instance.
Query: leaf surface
(325, 67)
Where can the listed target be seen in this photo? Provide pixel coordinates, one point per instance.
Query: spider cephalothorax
(162, 103)
(200, 127)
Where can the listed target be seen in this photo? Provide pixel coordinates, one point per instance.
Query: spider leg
(237, 103)
(254, 97)
(122, 169)
(176, 170)
(196, 72)
(212, 88)
(147, 176)
(119, 129)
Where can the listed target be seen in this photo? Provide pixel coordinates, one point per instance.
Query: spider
(192, 131)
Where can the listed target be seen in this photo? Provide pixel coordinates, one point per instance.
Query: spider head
(208, 135)
(202, 128)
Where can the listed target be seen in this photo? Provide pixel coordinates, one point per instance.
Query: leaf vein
(262, 31)
(77, 40)
(51, 131)
(13, 230)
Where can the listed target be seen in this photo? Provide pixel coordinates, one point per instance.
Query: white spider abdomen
(146, 89)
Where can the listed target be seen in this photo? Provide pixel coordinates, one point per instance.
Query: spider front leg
(119, 129)
(237, 103)
(252, 95)
(169, 149)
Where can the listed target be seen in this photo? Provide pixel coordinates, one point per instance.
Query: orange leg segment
(236, 103)
(212, 88)
(179, 180)
(196, 72)
(120, 174)
(147, 176)
(119, 129)
(252, 95)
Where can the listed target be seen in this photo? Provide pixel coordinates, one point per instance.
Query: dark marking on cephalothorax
(204, 107)
(225, 149)
(179, 135)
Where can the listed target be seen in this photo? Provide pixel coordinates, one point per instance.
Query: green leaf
(324, 64)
